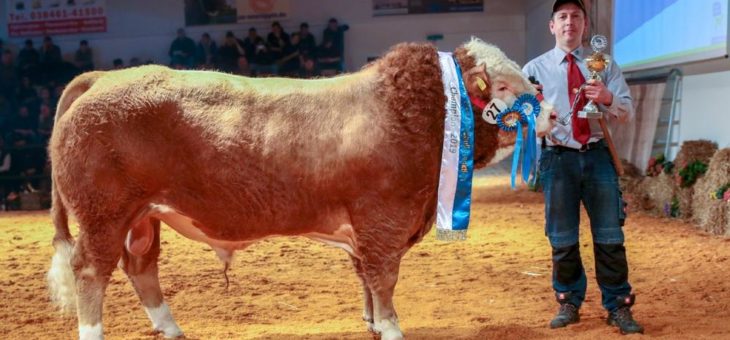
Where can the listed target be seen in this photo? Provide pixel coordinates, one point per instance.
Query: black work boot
(622, 317)
(567, 314)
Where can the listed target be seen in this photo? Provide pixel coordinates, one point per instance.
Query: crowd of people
(32, 80)
(277, 54)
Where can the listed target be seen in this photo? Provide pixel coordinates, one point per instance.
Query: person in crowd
(307, 43)
(206, 52)
(51, 60)
(243, 68)
(84, 58)
(29, 61)
(229, 53)
(257, 53)
(45, 123)
(182, 51)
(277, 41)
(118, 64)
(308, 67)
(334, 35)
(329, 59)
(26, 93)
(289, 63)
(8, 75)
(575, 166)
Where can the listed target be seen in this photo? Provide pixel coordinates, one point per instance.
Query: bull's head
(489, 75)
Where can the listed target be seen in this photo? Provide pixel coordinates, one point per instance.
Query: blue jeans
(568, 178)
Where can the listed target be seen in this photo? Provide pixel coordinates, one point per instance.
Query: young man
(576, 166)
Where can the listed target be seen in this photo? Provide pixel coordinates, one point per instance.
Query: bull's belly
(333, 229)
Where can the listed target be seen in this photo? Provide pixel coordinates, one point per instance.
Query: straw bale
(659, 190)
(710, 214)
(694, 150)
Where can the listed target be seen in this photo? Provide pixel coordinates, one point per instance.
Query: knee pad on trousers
(611, 266)
(567, 265)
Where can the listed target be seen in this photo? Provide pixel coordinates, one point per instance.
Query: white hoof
(162, 321)
(94, 332)
(388, 330)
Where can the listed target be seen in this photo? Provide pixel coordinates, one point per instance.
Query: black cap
(579, 3)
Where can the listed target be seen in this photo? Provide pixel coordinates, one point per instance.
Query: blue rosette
(508, 120)
(528, 105)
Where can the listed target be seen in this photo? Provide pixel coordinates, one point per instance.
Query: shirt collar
(558, 55)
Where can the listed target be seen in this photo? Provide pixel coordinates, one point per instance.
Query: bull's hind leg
(142, 271)
(367, 313)
(381, 275)
(96, 254)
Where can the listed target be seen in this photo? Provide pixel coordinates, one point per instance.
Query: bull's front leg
(381, 275)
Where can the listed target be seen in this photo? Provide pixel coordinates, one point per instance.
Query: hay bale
(659, 191)
(695, 150)
(690, 152)
(710, 214)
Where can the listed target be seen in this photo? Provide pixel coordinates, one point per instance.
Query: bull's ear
(477, 81)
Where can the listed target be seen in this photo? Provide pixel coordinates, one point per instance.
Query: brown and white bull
(352, 161)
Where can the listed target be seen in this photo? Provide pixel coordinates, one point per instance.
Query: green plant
(690, 173)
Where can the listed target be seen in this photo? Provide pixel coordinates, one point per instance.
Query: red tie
(581, 128)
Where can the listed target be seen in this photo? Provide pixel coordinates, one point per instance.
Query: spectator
(134, 62)
(8, 75)
(229, 53)
(45, 123)
(289, 63)
(44, 96)
(29, 61)
(307, 44)
(278, 40)
(24, 127)
(206, 52)
(308, 67)
(243, 68)
(5, 171)
(50, 59)
(118, 64)
(257, 53)
(26, 93)
(182, 51)
(330, 53)
(84, 59)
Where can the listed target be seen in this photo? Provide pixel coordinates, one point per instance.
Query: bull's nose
(553, 115)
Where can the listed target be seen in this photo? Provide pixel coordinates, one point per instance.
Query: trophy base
(590, 114)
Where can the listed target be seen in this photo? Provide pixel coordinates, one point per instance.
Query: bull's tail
(61, 281)
(74, 90)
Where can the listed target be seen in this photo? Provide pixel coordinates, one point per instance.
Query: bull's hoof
(388, 330)
(391, 334)
(171, 332)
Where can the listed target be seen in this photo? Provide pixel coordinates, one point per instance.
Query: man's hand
(597, 91)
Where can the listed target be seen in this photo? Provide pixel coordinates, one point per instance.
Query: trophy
(596, 63)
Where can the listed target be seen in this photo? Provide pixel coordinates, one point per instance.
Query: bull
(352, 161)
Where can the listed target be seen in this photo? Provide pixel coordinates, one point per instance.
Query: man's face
(568, 25)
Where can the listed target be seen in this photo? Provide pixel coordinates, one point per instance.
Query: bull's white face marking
(162, 321)
(94, 332)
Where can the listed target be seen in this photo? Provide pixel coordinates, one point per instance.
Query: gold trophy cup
(596, 63)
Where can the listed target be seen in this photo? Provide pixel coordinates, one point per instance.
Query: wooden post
(611, 148)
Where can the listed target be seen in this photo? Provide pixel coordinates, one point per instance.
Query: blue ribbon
(529, 108)
(462, 199)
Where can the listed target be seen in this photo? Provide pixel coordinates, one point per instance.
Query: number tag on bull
(492, 109)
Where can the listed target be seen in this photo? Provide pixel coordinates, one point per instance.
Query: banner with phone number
(27, 18)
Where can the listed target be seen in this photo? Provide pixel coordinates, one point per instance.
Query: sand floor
(496, 285)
